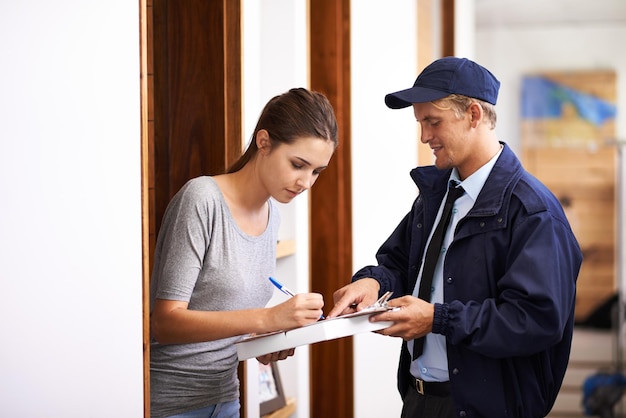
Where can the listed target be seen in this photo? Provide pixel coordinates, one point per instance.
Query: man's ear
(263, 141)
(476, 114)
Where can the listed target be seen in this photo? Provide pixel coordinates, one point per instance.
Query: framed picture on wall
(271, 394)
(568, 130)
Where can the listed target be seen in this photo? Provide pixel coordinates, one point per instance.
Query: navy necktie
(432, 255)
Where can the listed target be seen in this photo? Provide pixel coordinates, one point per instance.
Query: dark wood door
(193, 125)
(331, 207)
(197, 92)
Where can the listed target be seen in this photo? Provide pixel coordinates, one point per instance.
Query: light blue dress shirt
(432, 365)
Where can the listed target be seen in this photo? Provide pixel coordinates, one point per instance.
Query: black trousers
(426, 406)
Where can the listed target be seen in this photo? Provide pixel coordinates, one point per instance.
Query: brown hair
(292, 115)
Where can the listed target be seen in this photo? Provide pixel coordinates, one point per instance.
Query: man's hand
(354, 297)
(413, 318)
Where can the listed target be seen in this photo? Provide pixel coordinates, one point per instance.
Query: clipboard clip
(382, 301)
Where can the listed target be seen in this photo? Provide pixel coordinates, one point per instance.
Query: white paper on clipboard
(324, 330)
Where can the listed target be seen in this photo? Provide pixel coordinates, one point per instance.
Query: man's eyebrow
(426, 118)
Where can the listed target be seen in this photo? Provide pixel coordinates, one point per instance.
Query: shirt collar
(474, 183)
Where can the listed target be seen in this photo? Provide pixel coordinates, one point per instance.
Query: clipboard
(323, 330)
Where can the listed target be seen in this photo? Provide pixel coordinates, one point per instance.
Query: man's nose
(424, 135)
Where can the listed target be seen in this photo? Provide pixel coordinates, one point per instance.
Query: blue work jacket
(509, 290)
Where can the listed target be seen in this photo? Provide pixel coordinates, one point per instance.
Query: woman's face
(290, 169)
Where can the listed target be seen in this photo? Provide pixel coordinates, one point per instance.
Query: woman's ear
(263, 141)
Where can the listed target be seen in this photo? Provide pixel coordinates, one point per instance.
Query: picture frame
(271, 394)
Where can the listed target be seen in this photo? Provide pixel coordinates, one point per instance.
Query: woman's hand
(297, 311)
(272, 357)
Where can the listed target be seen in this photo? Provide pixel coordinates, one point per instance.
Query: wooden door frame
(190, 68)
(145, 19)
(331, 205)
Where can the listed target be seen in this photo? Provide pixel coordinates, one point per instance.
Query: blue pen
(281, 287)
(285, 290)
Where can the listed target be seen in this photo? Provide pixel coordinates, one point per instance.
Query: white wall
(384, 150)
(464, 28)
(70, 211)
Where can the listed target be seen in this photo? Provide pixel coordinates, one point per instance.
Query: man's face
(445, 133)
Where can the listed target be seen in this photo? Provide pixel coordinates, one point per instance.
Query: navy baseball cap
(446, 76)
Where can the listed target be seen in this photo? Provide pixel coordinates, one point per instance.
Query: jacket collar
(432, 183)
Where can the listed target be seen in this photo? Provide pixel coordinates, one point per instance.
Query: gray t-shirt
(203, 258)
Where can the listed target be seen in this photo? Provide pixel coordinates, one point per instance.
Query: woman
(215, 252)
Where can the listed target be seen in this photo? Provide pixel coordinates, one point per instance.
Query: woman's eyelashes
(301, 166)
